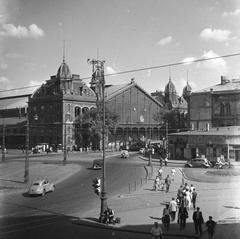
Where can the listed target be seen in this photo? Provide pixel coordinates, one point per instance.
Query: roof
(226, 131)
(12, 120)
(114, 90)
(14, 102)
(230, 86)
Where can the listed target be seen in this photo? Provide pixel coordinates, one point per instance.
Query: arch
(77, 111)
(228, 109)
(222, 109)
(85, 109)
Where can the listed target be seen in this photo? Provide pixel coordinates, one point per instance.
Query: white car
(40, 187)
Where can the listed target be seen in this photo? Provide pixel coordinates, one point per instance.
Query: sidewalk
(139, 210)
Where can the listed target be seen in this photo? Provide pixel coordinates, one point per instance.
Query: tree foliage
(176, 120)
(89, 126)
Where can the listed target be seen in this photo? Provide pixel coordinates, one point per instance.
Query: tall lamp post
(167, 140)
(98, 72)
(65, 138)
(3, 141)
(26, 173)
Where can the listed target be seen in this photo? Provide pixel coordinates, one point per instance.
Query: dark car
(198, 162)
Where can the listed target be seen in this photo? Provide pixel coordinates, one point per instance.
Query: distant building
(53, 108)
(214, 123)
(170, 99)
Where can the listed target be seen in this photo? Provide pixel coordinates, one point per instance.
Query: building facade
(214, 123)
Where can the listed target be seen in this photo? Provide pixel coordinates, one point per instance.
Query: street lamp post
(98, 72)
(65, 138)
(3, 142)
(26, 174)
(167, 140)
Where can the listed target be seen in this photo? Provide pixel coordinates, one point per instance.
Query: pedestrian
(182, 216)
(180, 195)
(156, 231)
(194, 198)
(173, 208)
(166, 217)
(173, 172)
(187, 199)
(161, 161)
(156, 183)
(198, 221)
(167, 183)
(191, 188)
(160, 173)
(166, 161)
(210, 224)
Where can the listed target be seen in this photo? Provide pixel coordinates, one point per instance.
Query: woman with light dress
(187, 199)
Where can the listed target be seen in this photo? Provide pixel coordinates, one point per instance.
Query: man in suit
(198, 221)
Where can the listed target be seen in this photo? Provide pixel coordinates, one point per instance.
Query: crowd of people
(180, 207)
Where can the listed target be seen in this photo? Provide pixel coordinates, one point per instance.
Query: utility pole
(26, 174)
(98, 72)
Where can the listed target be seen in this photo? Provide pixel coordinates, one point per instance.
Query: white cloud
(217, 64)
(188, 60)
(4, 66)
(215, 34)
(14, 55)
(9, 30)
(110, 70)
(4, 80)
(165, 41)
(232, 14)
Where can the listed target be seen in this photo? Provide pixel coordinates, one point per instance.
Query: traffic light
(97, 185)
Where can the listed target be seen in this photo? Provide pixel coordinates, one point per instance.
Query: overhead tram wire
(142, 69)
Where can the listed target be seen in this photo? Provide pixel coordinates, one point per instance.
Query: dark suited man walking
(198, 221)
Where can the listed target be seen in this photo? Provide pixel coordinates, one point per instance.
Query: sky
(128, 35)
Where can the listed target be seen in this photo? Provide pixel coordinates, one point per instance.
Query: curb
(89, 223)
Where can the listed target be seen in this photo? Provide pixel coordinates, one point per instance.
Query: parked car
(198, 162)
(97, 164)
(40, 187)
(142, 150)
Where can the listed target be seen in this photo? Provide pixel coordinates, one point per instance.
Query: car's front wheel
(43, 193)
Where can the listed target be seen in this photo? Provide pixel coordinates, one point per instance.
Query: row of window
(225, 109)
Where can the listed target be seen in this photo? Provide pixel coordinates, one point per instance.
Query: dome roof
(64, 71)
(170, 87)
(187, 90)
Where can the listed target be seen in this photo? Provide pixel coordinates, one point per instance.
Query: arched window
(228, 109)
(222, 109)
(77, 111)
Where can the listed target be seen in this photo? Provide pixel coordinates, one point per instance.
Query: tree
(176, 120)
(89, 126)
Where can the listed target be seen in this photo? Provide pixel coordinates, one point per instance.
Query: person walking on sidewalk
(194, 198)
(180, 195)
(173, 208)
(160, 173)
(166, 217)
(198, 221)
(156, 231)
(173, 172)
(210, 224)
(167, 183)
(187, 199)
(166, 161)
(182, 216)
